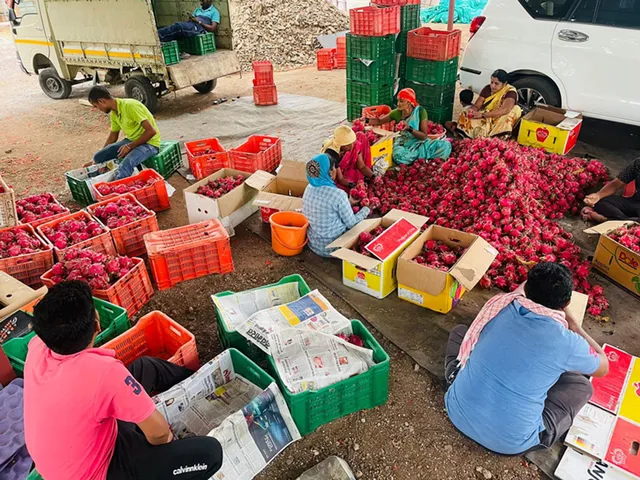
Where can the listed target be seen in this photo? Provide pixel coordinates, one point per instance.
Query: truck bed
(202, 68)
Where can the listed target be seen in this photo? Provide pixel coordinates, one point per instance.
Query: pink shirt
(71, 403)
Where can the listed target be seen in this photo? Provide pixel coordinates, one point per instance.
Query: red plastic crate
(340, 59)
(204, 164)
(257, 153)
(28, 268)
(263, 73)
(129, 239)
(429, 44)
(377, 112)
(265, 95)
(324, 58)
(154, 196)
(392, 3)
(189, 252)
(157, 335)
(375, 21)
(102, 243)
(42, 221)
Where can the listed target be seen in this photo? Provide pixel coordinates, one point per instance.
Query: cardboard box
(285, 191)
(579, 466)
(550, 128)
(232, 208)
(382, 151)
(8, 214)
(371, 275)
(15, 295)
(614, 260)
(437, 290)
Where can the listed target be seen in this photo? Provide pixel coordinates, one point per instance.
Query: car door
(29, 33)
(595, 53)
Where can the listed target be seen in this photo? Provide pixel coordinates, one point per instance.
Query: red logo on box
(628, 260)
(394, 236)
(542, 134)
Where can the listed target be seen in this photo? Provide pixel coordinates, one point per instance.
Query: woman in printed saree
(351, 153)
(495, 111)
(413, 143)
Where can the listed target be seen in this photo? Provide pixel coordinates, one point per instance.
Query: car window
(585, 11)
(619, 13)
(548, 9)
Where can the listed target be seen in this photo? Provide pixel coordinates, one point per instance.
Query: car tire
(533, 90)
(206, 87)
(53, 85)
(141, 89)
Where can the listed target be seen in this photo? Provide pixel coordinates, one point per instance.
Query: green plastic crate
(370, 48)
(246, 368)
(441, 114)
(409, 18)
(34, 475)
(171, 52)
(167, 161)
(233, 339)
(113, 321)
(79, 190)
(428, 71)
(433, 96)
(402, 67)
(354, 111)
(199, 44)
(401, 43)
(370, 94)
(379, 71)
(366, 390)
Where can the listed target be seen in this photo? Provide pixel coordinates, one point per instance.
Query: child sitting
(86, 416)
(466, 99)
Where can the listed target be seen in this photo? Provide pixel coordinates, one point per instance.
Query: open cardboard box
(233, 207)
(370, 275)
(15, 295)
(550, 128)
(284, 193)
(382, 151)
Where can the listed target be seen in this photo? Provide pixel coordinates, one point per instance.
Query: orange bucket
(288, 233)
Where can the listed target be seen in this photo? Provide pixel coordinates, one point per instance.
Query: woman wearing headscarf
(351, 153)
(414, 142)
(328, 209)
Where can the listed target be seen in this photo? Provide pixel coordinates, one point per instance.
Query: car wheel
(141, 89)
(52, 85)
(206, 87)
(534, 90)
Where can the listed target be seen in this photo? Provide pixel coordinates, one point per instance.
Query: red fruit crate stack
(257, 153)
(206, 157)
(147, 186)
(374, 21)
(24, 254)
(189, 252)
(340, 60)
(325, 59)
(265, 92)
(377, 112)
(263, 73)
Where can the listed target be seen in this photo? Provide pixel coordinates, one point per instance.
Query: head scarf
(342, 136)
(408, 95)
(318, 171)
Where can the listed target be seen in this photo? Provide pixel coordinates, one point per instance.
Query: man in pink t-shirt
(87, 416)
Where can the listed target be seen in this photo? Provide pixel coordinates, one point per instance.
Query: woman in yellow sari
(495, 111)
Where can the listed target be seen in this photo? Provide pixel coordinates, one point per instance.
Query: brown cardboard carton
(285, 191)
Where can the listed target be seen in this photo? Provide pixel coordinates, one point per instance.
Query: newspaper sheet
(311, 311)
(308, 360)
(254, 436)
(237, 308)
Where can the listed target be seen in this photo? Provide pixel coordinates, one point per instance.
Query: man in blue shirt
(205, 19)
(524, 380)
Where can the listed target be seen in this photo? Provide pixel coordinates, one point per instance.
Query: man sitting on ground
(517, 379)
(86, 416)
(606, 205)
(205, 19)
(135, 120)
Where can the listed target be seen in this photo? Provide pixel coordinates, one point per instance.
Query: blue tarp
(465, 11)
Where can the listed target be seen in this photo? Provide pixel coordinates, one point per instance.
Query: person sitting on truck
(86, 415)
(205, 19)
(135, 120)
(517, 376)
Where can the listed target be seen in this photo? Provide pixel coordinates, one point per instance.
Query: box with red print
(554, 129)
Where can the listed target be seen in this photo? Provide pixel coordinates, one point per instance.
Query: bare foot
(588, 214)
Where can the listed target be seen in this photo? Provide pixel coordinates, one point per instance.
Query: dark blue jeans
(179, 30)
(131, 161)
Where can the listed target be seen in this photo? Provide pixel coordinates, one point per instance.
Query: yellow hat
(343, 136)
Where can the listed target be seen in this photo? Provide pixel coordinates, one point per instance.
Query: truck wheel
(206, 87)
(52, 85)
(533, 90)
(140, 88)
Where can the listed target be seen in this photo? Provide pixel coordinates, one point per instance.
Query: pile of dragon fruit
(220, 186)
(71, 232)
(627, 236)
(16, 241)
(506, 193)
(36, 207)
(106, 189)
(98, 270)
(121, 212)
(367, 237)
(438, 255)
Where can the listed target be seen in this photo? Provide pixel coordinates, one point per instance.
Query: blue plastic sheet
(465, 11)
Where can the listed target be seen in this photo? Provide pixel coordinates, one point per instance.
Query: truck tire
(534, 89)
(206, 87)
(52, 85)
(140, 88)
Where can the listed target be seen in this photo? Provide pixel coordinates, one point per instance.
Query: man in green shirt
(142, 137)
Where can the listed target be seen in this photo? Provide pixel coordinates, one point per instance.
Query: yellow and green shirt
(129, 117)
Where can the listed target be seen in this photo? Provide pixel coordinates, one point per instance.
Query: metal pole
(452, 6)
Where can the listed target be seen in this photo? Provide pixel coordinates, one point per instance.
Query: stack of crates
(265, 91)
(432, 70)
(371, 62)
(409, 20)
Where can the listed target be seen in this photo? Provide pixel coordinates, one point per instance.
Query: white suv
(583, 55)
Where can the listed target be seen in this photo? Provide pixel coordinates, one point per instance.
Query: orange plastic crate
(154, 197)
(102, 243)
(374, 21)
(391, 3)
(324, 58)
(437, 45)
(340, 60)
(265, 95)
(263, 73)
(204, 164)
(42, 221)
(257, 153)
(29, 267)
(129, 239)
(157, 335)
(189, 252)
(377, 112)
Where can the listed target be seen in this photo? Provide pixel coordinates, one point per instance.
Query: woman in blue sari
(413, 143)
